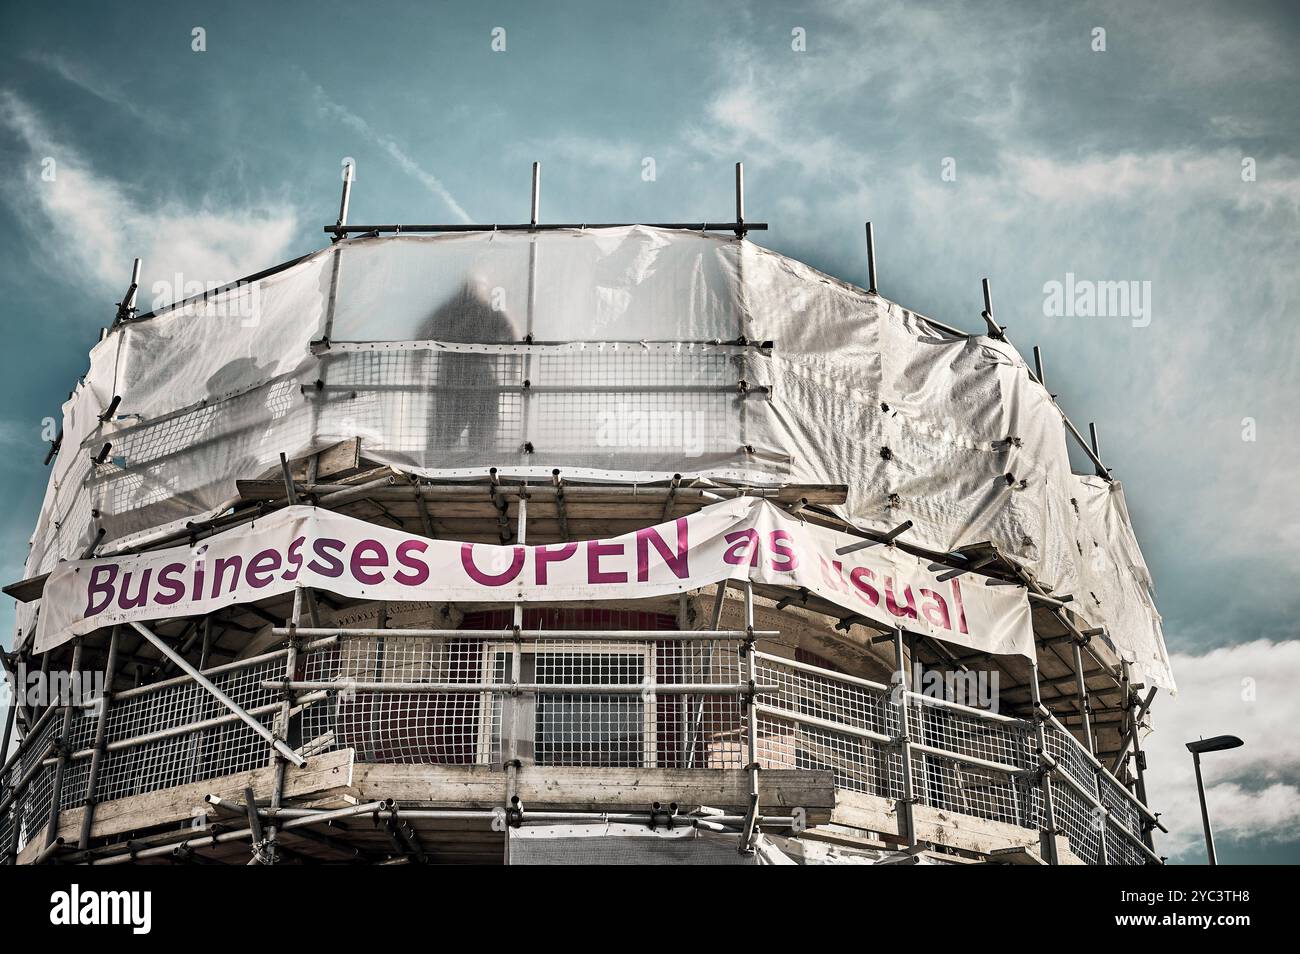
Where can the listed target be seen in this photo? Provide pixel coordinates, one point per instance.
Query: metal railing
(618, 699)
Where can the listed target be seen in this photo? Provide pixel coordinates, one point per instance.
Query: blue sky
(1123, 164)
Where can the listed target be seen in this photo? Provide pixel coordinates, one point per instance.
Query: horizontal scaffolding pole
(137, 740)
(817, 722)
(238, 664)
(668, 346)
(387, 809)
(984, 714)
(531, 635)
(423, 388)
(948, 755)
(818, 671)
(548, 227)
(677, 688)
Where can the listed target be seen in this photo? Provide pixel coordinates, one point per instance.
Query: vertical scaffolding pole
(25, 717)
(871, 260)
(751, 721)
(61, 765)
(1103, 816)
(1085, 706)
(1133, 713)
(1096, 449)
(740, 200)
(10, 712)
(905, 805)
(282, 724)
(126, 307)
(101, 731)
(1047, 828)
(537, 193)
(995, 330)
(530, 315)
(346, 199)
(697, 727)
(516, 677)
(206, 649)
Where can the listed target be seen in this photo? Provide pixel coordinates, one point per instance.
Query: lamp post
(1216, 744)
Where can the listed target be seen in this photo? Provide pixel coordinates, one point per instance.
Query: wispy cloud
(395, 152)
(88, 222)
(1253, 792)
(100, 87)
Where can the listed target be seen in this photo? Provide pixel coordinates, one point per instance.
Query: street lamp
(1216, 744)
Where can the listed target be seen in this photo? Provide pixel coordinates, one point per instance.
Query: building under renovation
(555, 543)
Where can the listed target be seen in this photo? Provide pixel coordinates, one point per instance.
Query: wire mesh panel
(858, 764)
(701, 729)
(823, 711)
(217, 750)
(8, 827)
(442, 728)
(35, 808)
(963, 786)
(578, 728)
(607, 404)
(800, 689)
(634, 724)
(1124, 824)
(1077, 817)
(1080, 821)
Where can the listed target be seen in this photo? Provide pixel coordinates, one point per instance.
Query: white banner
(744, 538)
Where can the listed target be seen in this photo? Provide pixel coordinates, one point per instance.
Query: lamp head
(1215, 744)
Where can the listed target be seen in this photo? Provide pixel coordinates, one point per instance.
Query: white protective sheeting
(618, 843)
(429, 363)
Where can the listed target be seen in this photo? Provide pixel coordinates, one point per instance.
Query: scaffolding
(315, 728)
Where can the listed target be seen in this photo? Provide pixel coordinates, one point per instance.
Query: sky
(1004, 140)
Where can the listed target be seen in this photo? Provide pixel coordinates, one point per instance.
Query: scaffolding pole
(1047, 830)
(904, 805)
(65, 730)
(1085, 706)
(101, 731)
(512, 806)
(748, 650)
(282, 721)
(871, 260)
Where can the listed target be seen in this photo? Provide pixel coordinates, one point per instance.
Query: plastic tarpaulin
(625, 354)
(620, 843)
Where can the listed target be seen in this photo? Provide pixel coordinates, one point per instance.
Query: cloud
(395, 152)
(99, 87)
(93, 225)
(1253, 792)
(1147, 188)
